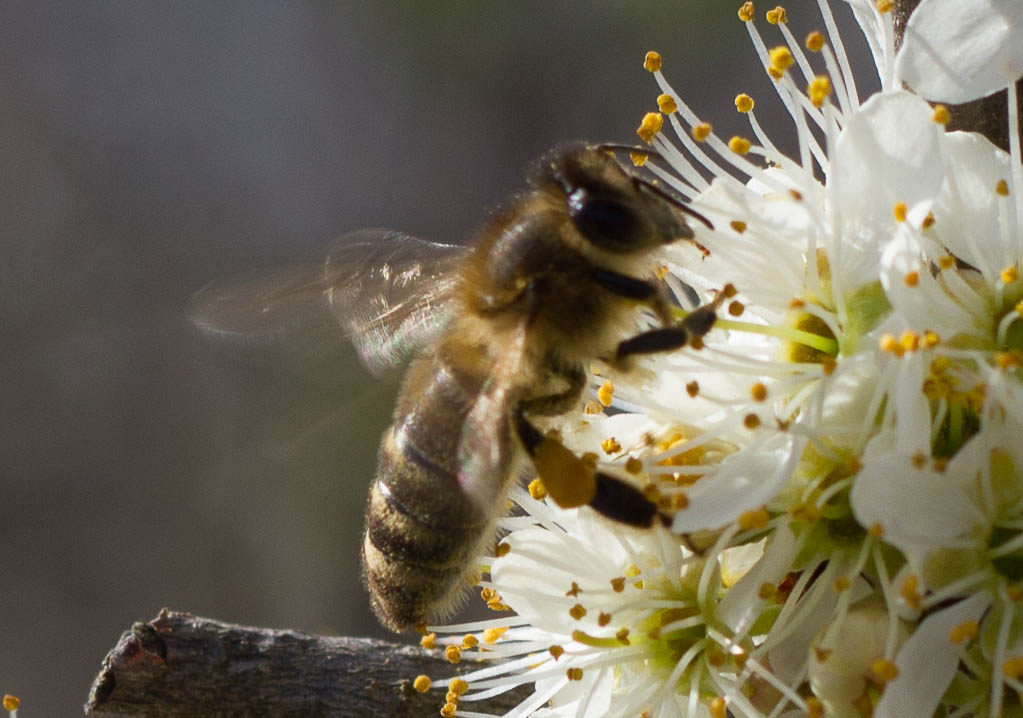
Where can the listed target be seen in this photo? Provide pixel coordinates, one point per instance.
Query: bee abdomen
(423, 530)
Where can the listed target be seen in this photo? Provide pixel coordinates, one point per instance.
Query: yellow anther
(450, 697)
(841, 584)
(876, 530)
(470, 641)
(593, 407)
(679, 501)
(489, 594)
(928, 221)
(751, 421)
(756, 519)
(492, 635)
(884, 670)
(428, 641)
(758, 391)
(652, 61)
(693, 388)
(911, 279)
(1008, 359)
(781, 58)
(577, 611)
(766, 591)
(11, 703)
(650, 126)
(814, 41)
(537, 490)
(453, 654)
(775, 73)
(574, 674)
(744, 103)
(910, 591)
(910, 341)
(449, 709)
(746, 12)
(633, 465)
(574, 590)
(814, 708)
(1009, 274)
(1002, 188)
(667, 104)
(739, 145)
(964, 631)
(931, 339)
(1013, 667)
(884, 6)
(622, 636)
(918, 460)
(818, 90)
(941, 115)
(605, 393)
(717, 707)
(421, 683)
(458, 686)
(618, 584)
(899, 210)
(947, 262)
(502, 549)
(777, 15)
(738, 226)
(701, 131)
(890, 345)
(603, 619)
(638, 158)
(632, 571)
(556, 651)
(610, 445)
(735, 309)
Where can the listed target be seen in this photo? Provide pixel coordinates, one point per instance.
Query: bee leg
(695, 324)
(562, 401)
(574, 481)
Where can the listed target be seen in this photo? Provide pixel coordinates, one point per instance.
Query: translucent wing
(391, 292)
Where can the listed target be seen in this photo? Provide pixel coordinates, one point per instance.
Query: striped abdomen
(424, 530)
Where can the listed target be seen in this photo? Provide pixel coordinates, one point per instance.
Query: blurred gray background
(151, 147)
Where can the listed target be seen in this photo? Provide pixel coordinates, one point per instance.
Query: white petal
(745, 481)
(889, 153)
(927, 662)
(959, 50)
(742, 604)
(915, 507)
(966, 212)
(924, 304)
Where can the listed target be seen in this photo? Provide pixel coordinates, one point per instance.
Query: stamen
(666, 104)
(743, 103)
(941, 115)
(814, 41)
(650, 126)
(652, 61)
(422, 683)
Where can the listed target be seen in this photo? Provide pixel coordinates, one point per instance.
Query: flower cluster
(843, 455)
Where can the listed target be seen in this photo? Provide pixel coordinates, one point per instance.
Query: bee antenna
(630, 148)
(672, 200)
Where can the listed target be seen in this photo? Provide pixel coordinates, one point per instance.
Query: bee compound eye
(605, 222)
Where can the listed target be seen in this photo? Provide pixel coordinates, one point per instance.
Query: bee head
(612, 208)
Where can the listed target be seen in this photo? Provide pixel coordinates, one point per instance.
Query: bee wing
(487, 449)
(269, 314)
(391, 291)
(388, 291)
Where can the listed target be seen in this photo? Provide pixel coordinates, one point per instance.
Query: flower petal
(960, 50)
(927, 662)
(889, 153)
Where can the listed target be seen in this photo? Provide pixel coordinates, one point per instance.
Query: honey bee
(500, 332)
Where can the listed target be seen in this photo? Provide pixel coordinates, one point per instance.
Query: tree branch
(183, 665)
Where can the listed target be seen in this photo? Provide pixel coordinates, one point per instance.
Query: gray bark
(181, 665)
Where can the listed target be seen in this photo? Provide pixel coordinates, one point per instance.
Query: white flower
(842, 456)
(960, 50)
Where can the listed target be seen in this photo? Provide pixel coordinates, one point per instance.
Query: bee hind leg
(573, 481)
